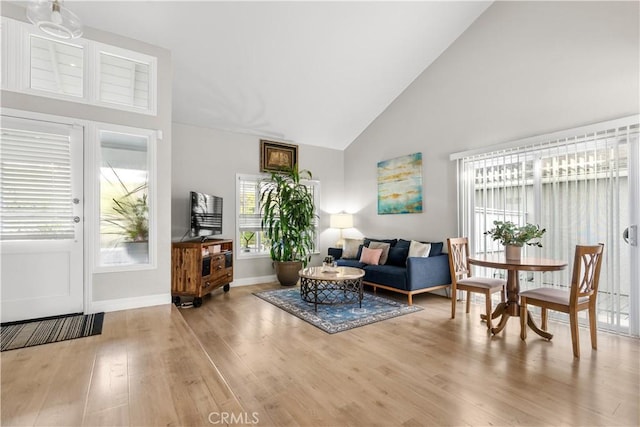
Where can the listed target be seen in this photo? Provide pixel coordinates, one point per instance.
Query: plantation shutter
(249, 217)
(35, 184)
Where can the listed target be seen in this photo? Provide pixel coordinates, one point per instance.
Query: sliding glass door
(579, 185)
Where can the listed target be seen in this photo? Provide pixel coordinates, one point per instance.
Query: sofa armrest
(336, 253)
(428, 272)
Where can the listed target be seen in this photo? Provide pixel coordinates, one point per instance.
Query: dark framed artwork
(275, 156)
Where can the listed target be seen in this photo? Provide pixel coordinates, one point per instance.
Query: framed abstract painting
(400, 185)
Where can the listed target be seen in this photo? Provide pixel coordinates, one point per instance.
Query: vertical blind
(576, 187)
(35, 182)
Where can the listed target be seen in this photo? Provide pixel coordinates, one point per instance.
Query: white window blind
(576, 187)
(35, 179)
(249, 217)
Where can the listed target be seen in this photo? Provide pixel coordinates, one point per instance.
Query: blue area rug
(337, 317)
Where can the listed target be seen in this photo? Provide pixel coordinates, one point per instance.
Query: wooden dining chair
(462, 280)
(581, 296)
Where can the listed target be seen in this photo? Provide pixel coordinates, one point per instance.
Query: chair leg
(593, 328)
(523, 318)
(545, 317)
(468, 301)
(503, 296)
(575, 334)
(487, 299)
(410, 299)
(454, 297)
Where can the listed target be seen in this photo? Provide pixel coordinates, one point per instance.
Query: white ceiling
(314, 73)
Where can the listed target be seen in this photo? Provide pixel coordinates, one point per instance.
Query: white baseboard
(253, 280)
(159, 299)
(129, 303)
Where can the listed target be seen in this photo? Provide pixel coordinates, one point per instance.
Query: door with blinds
(41, 211)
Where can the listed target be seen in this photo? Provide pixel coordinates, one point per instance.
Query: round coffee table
(340, 285)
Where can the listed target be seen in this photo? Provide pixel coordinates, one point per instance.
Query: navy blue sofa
(402, 274)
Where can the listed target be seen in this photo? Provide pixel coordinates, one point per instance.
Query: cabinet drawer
(217, 263)
(222, 277)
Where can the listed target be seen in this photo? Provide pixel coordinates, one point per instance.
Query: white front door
(41, 219)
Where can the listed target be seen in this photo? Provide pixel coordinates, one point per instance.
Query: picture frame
(276, 156)
(400, 185)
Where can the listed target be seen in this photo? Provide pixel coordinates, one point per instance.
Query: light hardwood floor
(153, 366)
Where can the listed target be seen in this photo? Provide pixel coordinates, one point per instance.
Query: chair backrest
(586, 271)
(458, 257)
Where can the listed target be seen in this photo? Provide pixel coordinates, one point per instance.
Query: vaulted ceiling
(314, 73)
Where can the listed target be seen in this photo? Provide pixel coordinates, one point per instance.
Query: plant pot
(137, 251)
(287, 272)
(513, 253)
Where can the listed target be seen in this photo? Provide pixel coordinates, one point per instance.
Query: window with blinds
(35, 179)
(576, 187)
(248, 192)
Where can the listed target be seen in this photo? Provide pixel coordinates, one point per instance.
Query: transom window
(81, 70)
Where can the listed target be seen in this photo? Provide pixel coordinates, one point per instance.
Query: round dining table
(511, 307)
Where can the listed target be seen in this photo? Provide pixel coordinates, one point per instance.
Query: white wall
(208, 160)
(137, 286)
(522, 69)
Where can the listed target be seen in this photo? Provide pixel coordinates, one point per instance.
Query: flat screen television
(206, 214)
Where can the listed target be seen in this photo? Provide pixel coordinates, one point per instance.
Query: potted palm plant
(514, 237)
(288, 214)
(129, 217)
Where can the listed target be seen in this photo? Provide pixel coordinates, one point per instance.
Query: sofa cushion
(385, 250)
(351, 248)
(370, 256)
(398, 256)
(436, 247)
(388, 275)
(391, 242)
(419, 249)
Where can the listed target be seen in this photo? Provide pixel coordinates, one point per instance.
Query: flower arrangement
(508, 233)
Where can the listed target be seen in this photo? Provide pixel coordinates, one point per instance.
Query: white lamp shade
(341, 220)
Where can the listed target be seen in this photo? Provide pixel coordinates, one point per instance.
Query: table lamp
(341, 221)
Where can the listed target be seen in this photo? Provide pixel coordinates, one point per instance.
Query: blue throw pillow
(391, 242)
(397, 256)
(403, 244)
(436, 249)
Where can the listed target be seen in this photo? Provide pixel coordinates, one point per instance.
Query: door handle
(630, 235)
